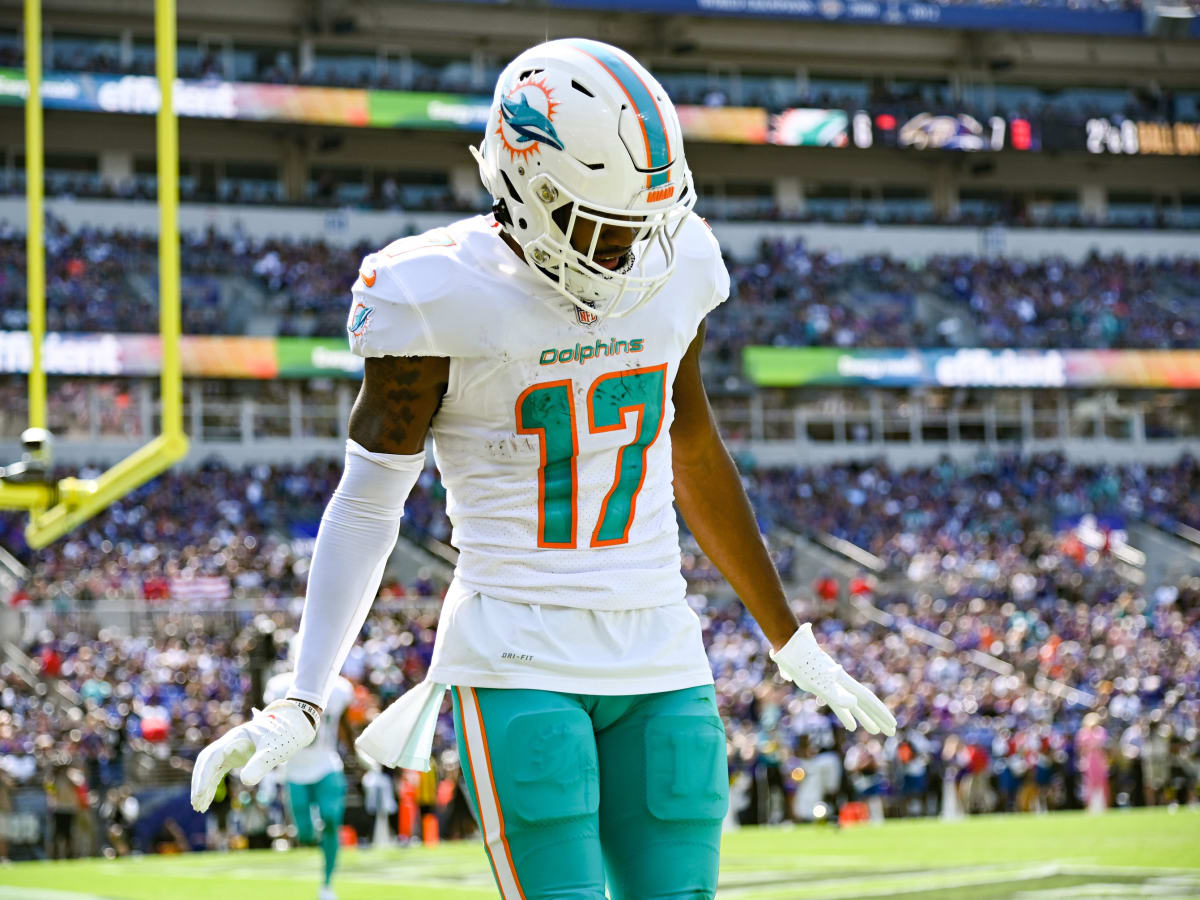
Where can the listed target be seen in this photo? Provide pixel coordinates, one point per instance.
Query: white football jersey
(318, 759)
(553, 439)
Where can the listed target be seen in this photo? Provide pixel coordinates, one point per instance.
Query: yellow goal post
(57, 507)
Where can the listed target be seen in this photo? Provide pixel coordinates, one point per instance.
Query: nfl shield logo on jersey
(585, 317)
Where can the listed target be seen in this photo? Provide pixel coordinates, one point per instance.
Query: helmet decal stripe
(654, 131)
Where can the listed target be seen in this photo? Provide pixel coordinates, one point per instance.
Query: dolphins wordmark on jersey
(553, 440)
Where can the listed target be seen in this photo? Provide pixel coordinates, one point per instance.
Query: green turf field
(1144, 853)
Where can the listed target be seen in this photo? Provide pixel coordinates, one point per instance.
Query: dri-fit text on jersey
(582, 353)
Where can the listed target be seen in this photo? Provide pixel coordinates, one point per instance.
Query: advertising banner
(309, 357)
(408, 109)
(798, 127)
(352, 107)
(810, 128)
(724, 124)
(799, 366)
(139, 95)
(203, 356)
(207, 356)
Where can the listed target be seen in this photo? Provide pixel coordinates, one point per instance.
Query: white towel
(402, 735)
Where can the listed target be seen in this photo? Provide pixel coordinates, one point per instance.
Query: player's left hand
(812, 669)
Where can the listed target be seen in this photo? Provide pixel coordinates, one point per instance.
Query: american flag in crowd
(201, 587)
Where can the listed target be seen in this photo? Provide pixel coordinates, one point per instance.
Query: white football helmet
(579, 130)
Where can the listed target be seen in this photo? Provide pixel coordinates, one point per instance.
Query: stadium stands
(984, 556)
(105, 281)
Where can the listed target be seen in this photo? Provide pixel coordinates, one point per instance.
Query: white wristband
(313, 713)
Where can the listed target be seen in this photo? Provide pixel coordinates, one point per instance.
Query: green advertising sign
(313, 357)
(408, 109)
(13, 87)
(789, 366)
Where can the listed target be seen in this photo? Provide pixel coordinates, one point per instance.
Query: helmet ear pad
(528, 217)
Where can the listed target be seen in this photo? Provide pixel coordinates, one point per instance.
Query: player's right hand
(271, 737)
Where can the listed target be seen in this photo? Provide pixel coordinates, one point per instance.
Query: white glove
(812, 669)
(271, 737)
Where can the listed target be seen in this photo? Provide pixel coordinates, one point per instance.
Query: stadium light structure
(57, 507)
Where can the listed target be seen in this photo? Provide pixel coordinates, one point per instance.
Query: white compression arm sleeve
(357, 534)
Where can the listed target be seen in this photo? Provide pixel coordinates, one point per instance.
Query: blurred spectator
(1092, 749)
(64, 788)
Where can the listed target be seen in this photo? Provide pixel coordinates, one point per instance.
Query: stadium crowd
(791, 296)
(1027, 668)
(970, 513)
(788, 295)
(208, 533)
(995, 520)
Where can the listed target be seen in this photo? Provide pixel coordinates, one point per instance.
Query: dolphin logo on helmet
(529, 123)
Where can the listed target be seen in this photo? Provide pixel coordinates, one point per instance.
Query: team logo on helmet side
(527, 119)
(359, 317)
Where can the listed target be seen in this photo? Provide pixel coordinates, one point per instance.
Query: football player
(314, 776)
(553, 351)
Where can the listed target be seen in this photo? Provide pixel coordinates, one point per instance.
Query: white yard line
(32, 893)
(884, 884)
(1096, 890)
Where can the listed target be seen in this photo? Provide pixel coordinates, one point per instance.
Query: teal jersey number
(610, 397)
(548, 410)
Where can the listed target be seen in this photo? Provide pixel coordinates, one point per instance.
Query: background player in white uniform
(314, 775)
(553, 351)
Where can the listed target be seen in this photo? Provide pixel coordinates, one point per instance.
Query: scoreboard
(1133, 137)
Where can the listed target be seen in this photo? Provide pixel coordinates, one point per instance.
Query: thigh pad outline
(687, 776)
(551, 766)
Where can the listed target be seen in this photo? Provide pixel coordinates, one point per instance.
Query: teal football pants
(576, 791)
(329, 797)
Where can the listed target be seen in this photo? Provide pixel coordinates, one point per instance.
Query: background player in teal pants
(314, 777)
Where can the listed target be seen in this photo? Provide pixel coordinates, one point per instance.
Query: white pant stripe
(489, 811)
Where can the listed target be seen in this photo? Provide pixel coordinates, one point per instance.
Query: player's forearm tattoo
(398, 400)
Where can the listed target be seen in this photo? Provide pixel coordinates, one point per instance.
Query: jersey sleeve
(700, 252)
(409, 300)
(720, 274)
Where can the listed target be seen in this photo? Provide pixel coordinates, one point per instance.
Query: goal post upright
(57, 508)
(169, 313)
(35, 228)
